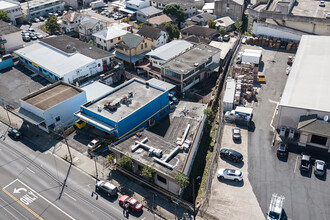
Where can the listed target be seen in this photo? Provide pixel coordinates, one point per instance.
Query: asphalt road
(306, 196)
(31, 188)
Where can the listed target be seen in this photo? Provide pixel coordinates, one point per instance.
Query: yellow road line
(22, 204)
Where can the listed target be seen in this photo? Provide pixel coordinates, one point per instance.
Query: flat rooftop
(187, 61)
(167, 143)
(308, 83)
(306, 8)
(7, 5)
(52, 95)
(142, 95)
(36, 3)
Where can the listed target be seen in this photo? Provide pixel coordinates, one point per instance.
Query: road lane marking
(10, 183)
(295, 166)
(30, 170)
(46, 200)
(70, 196)
(7, 204)
(22, 204)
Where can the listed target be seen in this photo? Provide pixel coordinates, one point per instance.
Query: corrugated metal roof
(170, 50)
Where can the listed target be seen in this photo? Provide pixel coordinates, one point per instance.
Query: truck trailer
(228, 98)
(240, 114)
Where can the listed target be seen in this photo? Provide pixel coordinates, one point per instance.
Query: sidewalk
(44, 142)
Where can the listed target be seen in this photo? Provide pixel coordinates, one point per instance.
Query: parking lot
(231, 200)
(306, 196)
(17, 82)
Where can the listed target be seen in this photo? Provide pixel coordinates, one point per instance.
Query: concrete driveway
(231, 200)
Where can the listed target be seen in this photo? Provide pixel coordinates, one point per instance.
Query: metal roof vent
(90, 48)
(68, 46)
(74, 49)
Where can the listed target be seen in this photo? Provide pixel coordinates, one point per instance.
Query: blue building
(130, 106)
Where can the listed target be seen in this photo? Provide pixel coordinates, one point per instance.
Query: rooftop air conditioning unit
(68, 46)
(99, 108)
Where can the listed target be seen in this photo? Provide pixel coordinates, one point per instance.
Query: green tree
(208, 112)
(175, 10)
(111, 158)
(148, 173)
(182, 180)
(4, 16)
(172, 30)
(211, 23)
(51, 25)
(238, 25)
(250, 29)
(126, 163)
(223, 31)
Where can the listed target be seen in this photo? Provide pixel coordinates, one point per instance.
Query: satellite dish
(326, 118)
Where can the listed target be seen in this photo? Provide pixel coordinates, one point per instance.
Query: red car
(133, 203)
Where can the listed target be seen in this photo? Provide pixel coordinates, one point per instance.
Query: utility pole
(6, 108)
(66, 142)
(97, 176)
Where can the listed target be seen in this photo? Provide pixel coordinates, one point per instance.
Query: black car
(14, 133)
(231, 155)
(282, 150)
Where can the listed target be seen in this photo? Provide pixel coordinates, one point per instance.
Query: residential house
(37, 8)
(208, 7)
(144, 14)
(10, 38)
(202, 19)
(64, 58)
(232, 8)
(123, 26)
(71, 20)
(107, 38)
(198, 31)
(88, 26)
(191, 66)
(188, 6)
(226, 22)
(158, 20)
(132, 48)
(13, 9)
(155, 35)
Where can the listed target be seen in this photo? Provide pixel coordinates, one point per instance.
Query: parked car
(42, 18)
(231, 155)
(282, 150)
(95, 142)
(33, 37)
(26, 38)
(236, 133)
(30, 30)
(322, 3)
(230, 174)
(327, 15)
(106, 187)
(305, 162)
(35, 20)
(226, 38)
(134, 205)
(39, 36)
(14, 133)
(319, 168)
(58, 33)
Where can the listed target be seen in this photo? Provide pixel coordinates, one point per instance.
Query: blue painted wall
(6, 63)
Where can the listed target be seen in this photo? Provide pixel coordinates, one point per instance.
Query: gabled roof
(110, 33)
(150, 32)
(132, 40)
(70, 16)
(224, 21)
(200, 31)
(88, 22)
(170, 49)
(7, 28)
(196, 40)
(311, 124)
(150, 11)
(160, 19)
(204, 17)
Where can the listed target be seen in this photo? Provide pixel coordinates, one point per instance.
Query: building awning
(29, 116)
(127, 11)
(311, 124)
(127, 59)
(95, 122)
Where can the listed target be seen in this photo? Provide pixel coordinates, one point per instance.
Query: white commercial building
(305, 107)
(13, 9)
(64, 58)
(107, 39)
(53, 106)
(10, 37)
(37, 8)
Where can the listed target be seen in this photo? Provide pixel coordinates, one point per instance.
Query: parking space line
(22, 204)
